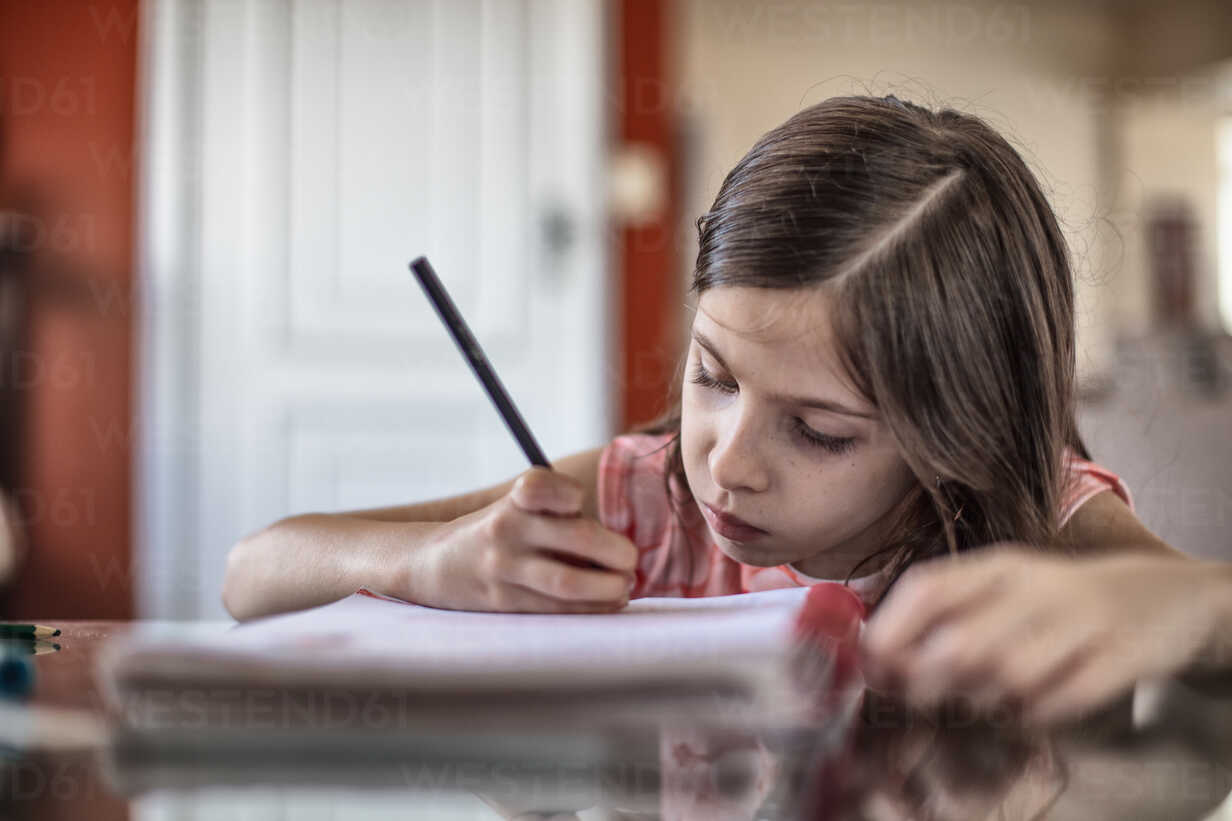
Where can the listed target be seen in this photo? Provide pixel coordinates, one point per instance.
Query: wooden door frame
(648, 254)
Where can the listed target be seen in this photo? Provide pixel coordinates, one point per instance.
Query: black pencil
(27, 631)
(474, 355)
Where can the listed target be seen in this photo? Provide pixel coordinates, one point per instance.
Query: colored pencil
(27, 631)
(28, 647)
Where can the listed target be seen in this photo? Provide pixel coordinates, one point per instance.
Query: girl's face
(773, 434)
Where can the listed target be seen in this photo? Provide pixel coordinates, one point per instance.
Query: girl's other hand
(530, 551)
(1051, 637)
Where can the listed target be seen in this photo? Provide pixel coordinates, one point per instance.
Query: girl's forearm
(313, 559)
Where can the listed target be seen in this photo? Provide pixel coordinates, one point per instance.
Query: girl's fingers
(930, 593)
(558, 580)
(969, 650)
(1086, 685)
(1045, 659)
(1062, 676)
(542, 490)
(514, 598)
(582, 538)
(1012, 678)
(1031, 672)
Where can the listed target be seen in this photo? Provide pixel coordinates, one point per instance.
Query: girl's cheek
(695, 413)
(694, 398)
(692, 419)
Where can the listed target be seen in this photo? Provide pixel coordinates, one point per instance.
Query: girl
(880, 377)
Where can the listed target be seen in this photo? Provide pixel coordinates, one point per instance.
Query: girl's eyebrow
(800, 401)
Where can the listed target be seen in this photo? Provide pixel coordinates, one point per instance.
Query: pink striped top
(681, 559)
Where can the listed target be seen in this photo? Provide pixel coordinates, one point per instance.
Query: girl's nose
(735, 462)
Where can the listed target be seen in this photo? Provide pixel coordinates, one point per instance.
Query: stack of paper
(380, 662)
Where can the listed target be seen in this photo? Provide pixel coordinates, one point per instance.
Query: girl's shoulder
(676, 555)
(640, 446)
(1085, 478)
(632, 487)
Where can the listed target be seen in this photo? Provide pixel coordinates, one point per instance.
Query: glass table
(1164, 754)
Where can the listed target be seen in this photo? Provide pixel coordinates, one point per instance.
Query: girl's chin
(757, 555)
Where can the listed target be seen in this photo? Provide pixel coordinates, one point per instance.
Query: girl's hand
(530, 551)
(1051, 636)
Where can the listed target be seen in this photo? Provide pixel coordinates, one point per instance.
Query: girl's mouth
(731, 527)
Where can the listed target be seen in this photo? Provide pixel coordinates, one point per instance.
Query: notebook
(380, 662)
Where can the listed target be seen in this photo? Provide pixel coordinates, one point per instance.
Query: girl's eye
(834, 444)
(702, 377)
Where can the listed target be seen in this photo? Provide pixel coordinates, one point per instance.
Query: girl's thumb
(540, 490)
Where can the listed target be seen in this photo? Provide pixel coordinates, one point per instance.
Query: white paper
(390, 641)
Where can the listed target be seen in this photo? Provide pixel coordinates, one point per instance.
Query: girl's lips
(729, 527)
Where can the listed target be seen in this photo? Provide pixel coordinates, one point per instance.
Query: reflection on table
(1170, 762)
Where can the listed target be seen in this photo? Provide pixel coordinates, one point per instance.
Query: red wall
(67, 106)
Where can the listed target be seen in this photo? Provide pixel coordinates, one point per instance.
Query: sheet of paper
(367, 634)
(716, 661)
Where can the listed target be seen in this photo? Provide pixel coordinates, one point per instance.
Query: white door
(298, 155)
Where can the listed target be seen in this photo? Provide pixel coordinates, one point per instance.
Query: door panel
(336, 142)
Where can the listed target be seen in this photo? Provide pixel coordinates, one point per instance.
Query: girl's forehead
(797, 320)
(777, 336)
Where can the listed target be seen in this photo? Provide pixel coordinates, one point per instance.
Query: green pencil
(27, 631)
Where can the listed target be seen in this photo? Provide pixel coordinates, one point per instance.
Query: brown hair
(953, 304)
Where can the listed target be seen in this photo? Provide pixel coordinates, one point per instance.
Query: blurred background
(207, 208)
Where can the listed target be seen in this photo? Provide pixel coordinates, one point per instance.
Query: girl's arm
(1060, 636)
(1104, 524)
(478, 550)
